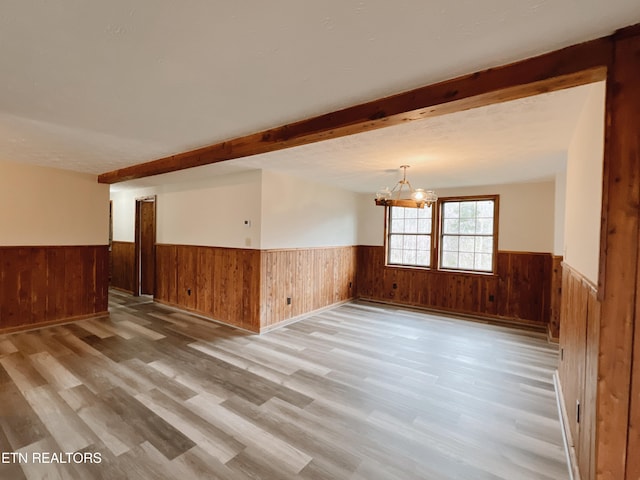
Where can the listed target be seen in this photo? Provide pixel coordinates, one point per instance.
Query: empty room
(357, 240)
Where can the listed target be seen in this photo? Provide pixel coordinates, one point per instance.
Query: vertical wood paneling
(520, 290)
(47, 284)
(239, 286)
(147, 246)
(618, 282)
(251, 289)
(555, 298)
(578, 368)
(74, 276)
(588, 426)
(573, 342)
(313, 279)
(166, 274)
(56, 276)
(631, 147)
(525, 283)
(204, 280)
(224, 282)
(122, 265)
(187, 273)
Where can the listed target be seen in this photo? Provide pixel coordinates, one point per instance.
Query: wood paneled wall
(123, 265)
(521, 290)
(249, 288)
(220, 283)
(618, 283)
(44, 285)
(578, 369)
(556, 299)
(312, 278)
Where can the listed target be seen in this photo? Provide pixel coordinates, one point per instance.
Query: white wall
(123, 206)
(370, 221)
(302, 214)
(559, 213)
(47, 206)
(526, 215)
(208, 212)
(584, 187)
(284, 212)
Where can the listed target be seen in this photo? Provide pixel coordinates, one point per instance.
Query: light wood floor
(359, 392)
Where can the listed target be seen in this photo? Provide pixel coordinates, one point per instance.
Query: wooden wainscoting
(49, 284)
(553, 332)
(123, 265)
(250, 288)
(520, 291)
(312, 278)
(220, 283)
(524, 288)
(578, 369)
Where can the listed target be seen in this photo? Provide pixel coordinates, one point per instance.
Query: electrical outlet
(189, 291)
(288, 300)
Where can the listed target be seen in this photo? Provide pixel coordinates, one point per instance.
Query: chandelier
(404, 195)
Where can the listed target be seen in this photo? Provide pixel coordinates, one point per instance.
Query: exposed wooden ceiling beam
(572, 66)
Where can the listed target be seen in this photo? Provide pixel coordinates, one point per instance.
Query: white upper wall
(47, 206)
(526, 215)
(123, 208)
(370, 221)
(584, 188)
(301, 214)
(209, 212)
(282, 211)
(560, 212)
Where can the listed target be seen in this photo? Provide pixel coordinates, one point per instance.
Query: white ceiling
(519, 141)
(94, 86)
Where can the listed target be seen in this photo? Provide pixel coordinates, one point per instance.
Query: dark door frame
(138, 243)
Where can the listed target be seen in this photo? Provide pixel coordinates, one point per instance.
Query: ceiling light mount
(404, 195)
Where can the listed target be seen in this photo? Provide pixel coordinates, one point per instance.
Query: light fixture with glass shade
(404, 195)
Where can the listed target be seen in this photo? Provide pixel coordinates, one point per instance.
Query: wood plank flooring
(360, 392)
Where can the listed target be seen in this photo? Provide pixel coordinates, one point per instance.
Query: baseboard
(550, 337)
(267, 329)
(51, 323)
(201, 315)
(120, 289)
(569, 449)
(491, 320)
(302, 316)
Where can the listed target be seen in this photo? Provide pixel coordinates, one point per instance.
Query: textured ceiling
(518, 141)
(94, 86)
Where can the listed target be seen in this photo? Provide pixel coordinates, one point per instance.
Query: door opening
(145, 245)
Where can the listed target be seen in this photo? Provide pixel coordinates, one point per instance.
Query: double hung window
(454, 234)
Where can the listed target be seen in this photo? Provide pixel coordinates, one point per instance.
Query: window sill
(443, 271)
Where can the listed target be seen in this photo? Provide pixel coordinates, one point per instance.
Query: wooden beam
(619, 257)
(568, 67)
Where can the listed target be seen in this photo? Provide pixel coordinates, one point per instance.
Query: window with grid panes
(467, 234)
(409, 232)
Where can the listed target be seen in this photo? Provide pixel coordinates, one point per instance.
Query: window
(465, 227)
(467, 235)
(409, 236)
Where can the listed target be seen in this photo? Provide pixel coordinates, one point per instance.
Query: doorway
(145, 246)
